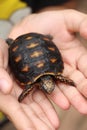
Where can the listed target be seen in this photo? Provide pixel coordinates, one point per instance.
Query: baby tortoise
(36, 61)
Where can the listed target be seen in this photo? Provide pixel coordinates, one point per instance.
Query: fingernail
(4, 85)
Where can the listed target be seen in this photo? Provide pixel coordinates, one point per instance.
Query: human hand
(35, 112)
(63, 25)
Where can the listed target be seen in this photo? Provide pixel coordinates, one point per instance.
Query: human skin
(63, 26)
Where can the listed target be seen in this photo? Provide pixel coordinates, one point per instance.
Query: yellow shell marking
(25, 68)
(40, 65)
(14, 48)
(51, 48)
(28, 83)
(18, 58)
(22, 84)
(28, 38)
(32, 45)
(46, 39)
(53, 60)
(36, 54)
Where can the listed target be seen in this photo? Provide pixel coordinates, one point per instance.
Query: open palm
(63, 25)
(34, 111)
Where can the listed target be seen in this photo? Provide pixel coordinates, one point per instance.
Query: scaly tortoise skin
(36, 61)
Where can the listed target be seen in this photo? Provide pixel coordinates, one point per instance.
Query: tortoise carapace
(36, 61)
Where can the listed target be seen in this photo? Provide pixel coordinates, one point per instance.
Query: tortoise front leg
(65, 80)
(25, 92)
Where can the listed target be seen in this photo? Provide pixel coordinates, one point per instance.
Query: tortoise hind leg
(65, 80)
(25, 92)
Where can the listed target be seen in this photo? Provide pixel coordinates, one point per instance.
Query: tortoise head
(47, 84)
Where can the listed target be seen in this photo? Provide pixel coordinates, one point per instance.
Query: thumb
(5, 80)
(83, 28)
(76, 22)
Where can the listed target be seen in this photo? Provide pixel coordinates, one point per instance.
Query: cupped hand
(35, 112)
(63, 26)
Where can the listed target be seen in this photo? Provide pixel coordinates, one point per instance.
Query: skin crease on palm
(63, 27)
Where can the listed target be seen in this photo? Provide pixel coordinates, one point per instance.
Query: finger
(5, 81)
(1, 59)
(47, 107)
(3, 54)
(82, 63)
(59, 98)
(15, 113)
(75, 98)
(39, 124)
(79, 79)
(72, 93)
(36, 108)
(40, 113)
(77, 23)
(43, 103)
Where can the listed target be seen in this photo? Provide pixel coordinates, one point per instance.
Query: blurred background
(70, 119)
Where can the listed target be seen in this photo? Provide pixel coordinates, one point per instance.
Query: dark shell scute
(38, 52)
